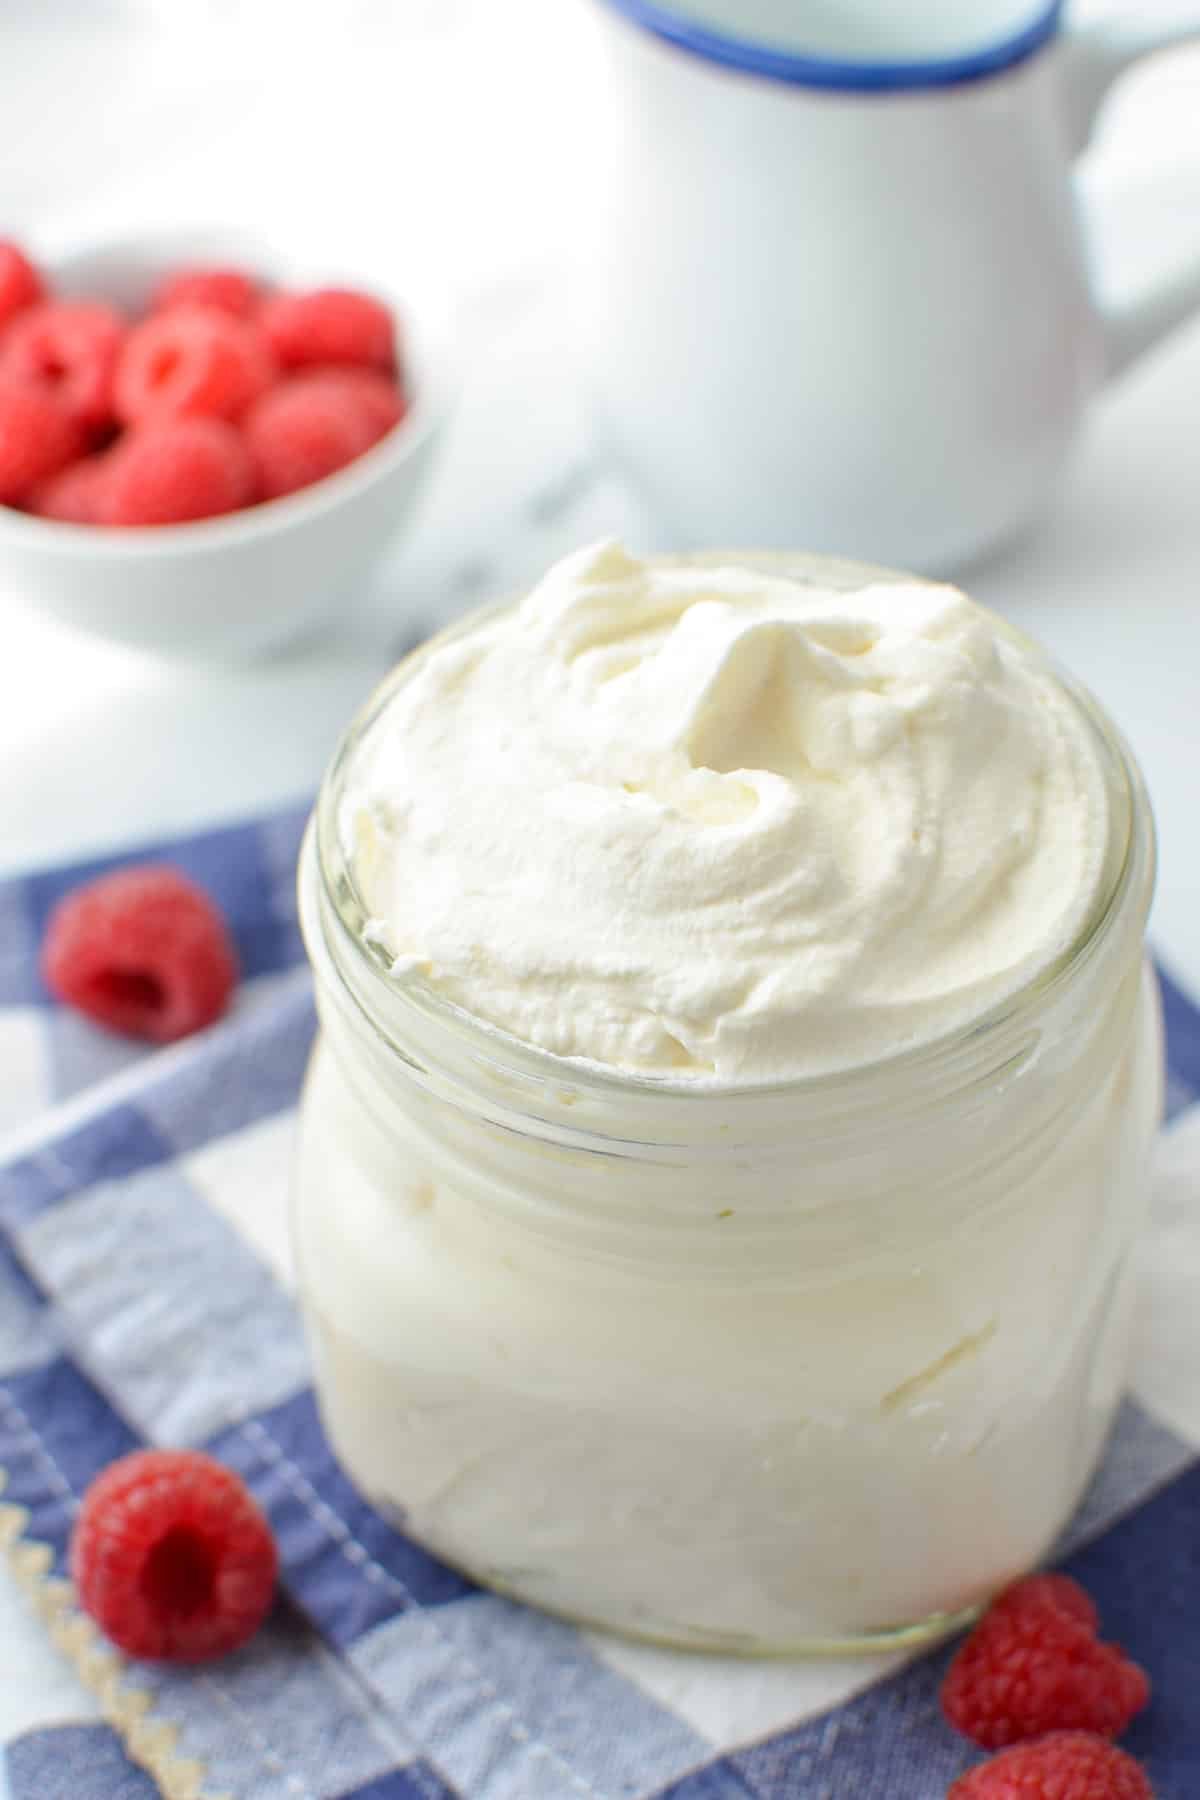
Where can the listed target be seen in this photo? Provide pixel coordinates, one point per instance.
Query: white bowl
(246, 582)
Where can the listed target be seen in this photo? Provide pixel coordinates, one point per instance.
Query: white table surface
(202, 110)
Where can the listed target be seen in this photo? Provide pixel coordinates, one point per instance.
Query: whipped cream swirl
(718, 822)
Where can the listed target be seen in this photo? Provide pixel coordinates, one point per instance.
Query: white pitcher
(840, 295)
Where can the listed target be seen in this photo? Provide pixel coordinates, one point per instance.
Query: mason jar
(806, 1366)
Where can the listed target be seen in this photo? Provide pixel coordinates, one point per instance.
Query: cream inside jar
(737, 1076)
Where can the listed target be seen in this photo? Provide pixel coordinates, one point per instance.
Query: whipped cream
(734, 1369)
(710, 821)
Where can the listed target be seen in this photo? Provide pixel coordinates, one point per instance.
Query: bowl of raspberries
(203, 448)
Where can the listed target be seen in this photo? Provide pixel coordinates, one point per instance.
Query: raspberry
(172, 1558)
(194, 360)
(1069, 1765)
(1051, 1590)
(229, 290)
(37, 438)
(20, 283)
(143, 951)
(1034, 1664)
(77, 495)
(330, 325)
(69, 348)
(380, 396)
(182, 469)
(305, 429)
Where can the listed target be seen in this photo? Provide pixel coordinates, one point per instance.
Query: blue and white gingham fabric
(47, 1052)
(144, 1297)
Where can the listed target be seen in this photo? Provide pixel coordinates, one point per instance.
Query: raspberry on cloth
(1034, 1663)
(1069, 1765)
(143, 951)
(172, 1557)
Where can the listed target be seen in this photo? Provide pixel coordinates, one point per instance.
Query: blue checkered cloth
(145, 1297)
(49, 1053)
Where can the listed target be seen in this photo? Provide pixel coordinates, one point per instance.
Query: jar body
(838, 1443)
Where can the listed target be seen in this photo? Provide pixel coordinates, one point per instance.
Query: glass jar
(808, 1366)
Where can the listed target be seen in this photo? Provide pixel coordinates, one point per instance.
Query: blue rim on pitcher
(866, 76)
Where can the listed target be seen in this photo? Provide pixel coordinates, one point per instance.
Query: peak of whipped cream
(720, 823)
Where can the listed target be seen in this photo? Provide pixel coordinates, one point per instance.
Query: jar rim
(1130, 859)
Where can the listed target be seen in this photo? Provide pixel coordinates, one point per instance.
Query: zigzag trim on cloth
(150, 1741)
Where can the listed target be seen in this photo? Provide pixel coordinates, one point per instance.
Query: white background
(443, 145)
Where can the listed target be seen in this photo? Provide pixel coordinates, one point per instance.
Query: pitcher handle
(1095, 56)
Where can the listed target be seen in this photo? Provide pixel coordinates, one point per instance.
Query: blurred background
(447, 147)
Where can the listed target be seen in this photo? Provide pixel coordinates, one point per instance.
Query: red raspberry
(305, 429)
(1059, 1592)
(20, 283)
(330, 325)
(380, 396)
(229, 290)
(69, 348)
(182, 469)
(37, 438)
(77, 495)
(143, 951)
(1034, 1664)
(194, 360)
(172, 1557)
(1069, 1765)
